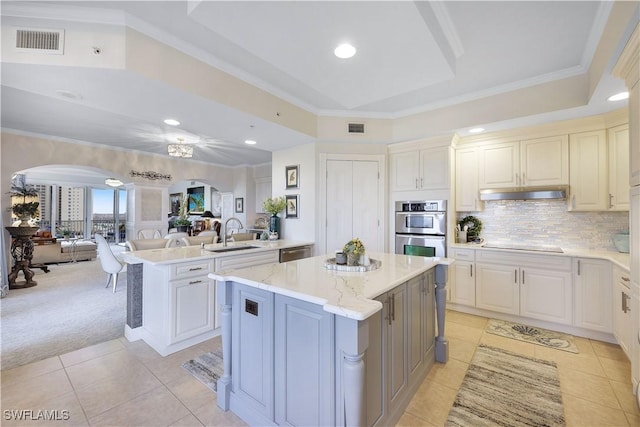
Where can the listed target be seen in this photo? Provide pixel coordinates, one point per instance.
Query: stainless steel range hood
(529, 193)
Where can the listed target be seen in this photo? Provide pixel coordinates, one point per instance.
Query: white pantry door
(352, 204)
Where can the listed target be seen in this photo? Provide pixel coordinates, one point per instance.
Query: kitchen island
(305, 345)
(170, 300)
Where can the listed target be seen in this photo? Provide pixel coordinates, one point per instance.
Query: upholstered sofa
(63, 251)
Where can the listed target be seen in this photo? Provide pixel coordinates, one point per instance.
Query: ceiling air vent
(356, 127)
(43, 41)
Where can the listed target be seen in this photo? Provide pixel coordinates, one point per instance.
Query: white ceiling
(412, 57)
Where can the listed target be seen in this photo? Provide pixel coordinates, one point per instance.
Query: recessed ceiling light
(476, 130)
(250, 142)
(172, 122)
(618, 96)
(345, 51)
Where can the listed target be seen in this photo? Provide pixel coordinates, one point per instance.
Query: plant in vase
(274, 205)
(354, 250)
(183, 222)
(25, 210)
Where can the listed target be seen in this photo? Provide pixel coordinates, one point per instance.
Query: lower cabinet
(463, 283)
(539, 287)
(401, 341)
(592, 281)
(622, 322)
(192, 307)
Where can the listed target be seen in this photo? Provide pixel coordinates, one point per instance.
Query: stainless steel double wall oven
(421, 228)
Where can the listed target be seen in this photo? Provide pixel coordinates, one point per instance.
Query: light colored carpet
(69, 309)
(539, 336)
(207, 368)
(502, 388)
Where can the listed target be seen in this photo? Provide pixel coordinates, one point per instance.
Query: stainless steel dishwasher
(291, 254)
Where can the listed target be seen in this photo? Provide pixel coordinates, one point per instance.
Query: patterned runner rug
(531, 334)
(206, 368)
(502, 388)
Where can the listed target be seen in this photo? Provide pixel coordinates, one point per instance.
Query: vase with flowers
(274, 205)
(354, 250)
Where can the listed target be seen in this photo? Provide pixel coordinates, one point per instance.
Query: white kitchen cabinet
(463, 280)
(538, 287)
(618, 141)
(467, 180)
(592, 284)
(192, 307)
(528, 163)
(544, 161)
(178, 305)
(263, 191)
(588, 177)
(622, 320)
(426, 169)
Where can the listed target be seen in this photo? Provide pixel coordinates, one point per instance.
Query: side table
(22, 253)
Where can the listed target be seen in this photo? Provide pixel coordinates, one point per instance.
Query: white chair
(110, 264)
(197, 240)
(176, 239)
(149, 234)
(142, 244)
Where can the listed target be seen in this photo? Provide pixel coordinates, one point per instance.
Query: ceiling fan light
(180, 150)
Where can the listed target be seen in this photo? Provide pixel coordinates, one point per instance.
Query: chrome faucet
(224, 230)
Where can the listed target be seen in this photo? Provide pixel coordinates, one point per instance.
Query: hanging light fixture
(180, 149)
(113, 182)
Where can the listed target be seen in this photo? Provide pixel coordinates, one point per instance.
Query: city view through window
(81, 212)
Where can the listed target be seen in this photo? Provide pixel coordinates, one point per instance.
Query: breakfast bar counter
(306, 345)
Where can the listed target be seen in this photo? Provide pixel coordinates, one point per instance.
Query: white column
(224, 296)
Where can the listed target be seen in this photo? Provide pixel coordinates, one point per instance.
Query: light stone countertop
(195, 253)
(622, 260)
(342, 293)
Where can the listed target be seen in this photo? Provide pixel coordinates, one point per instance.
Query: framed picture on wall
(196, 200)
(239, 204)
(291, 210)
(174, 203)
(293, 176)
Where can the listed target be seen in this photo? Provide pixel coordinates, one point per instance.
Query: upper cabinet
(600, 170)
(467, 180)
(588, 153)
(618, 139)
(425, 169)
(529, 163)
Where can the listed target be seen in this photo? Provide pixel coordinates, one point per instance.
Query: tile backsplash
(547, 222)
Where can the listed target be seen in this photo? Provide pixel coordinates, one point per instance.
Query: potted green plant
(25, 210)
(183, 222)
(274, 205)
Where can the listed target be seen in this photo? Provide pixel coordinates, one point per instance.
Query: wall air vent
(41, 41)
(356, 127)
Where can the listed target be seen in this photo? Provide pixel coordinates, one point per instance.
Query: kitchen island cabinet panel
(192, 307)
(302, 360)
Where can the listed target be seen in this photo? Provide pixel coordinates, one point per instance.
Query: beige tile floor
(119, 383)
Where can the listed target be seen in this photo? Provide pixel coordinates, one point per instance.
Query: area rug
(502, 388)
(206, 368)
(532, 334)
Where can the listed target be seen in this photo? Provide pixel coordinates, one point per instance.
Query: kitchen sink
(233, 248)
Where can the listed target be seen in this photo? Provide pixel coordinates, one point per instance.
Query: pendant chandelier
(180, 149)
